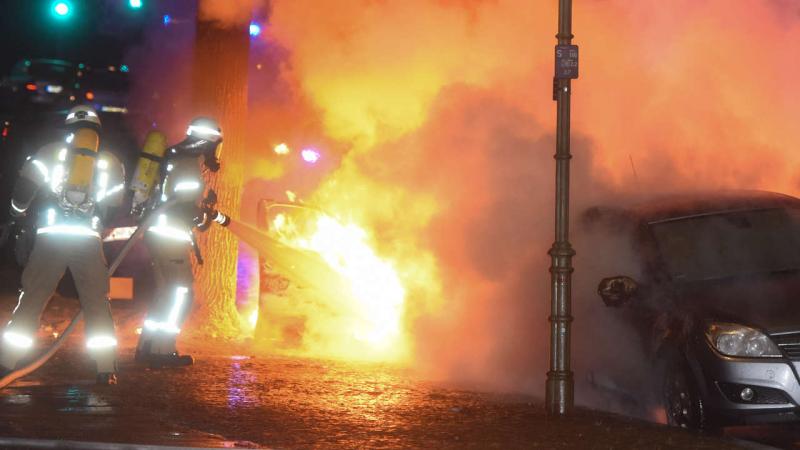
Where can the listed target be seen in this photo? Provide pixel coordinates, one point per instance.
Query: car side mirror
(617, 291)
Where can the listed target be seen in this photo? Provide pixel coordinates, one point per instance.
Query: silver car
(717, 301)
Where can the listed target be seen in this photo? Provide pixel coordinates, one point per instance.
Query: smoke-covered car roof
(664, 207)
(675, 206)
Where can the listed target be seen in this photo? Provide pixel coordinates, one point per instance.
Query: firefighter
(67, 189)
(170, 238)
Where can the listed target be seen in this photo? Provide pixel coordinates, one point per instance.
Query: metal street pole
(560, 384)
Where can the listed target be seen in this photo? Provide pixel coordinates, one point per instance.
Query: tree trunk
(219, 90)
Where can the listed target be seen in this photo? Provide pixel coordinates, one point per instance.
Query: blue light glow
(166, 19)
(255, 29)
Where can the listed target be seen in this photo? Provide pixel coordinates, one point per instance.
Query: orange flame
(357, 306)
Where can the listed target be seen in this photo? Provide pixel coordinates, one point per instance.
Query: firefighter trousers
(52, 255)
(173, 299)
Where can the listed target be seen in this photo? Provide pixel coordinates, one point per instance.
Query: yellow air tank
(148, 168)
(80, 170)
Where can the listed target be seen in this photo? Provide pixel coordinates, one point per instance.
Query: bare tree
(219, 90)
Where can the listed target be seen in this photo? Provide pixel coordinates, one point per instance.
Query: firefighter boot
(142, 350)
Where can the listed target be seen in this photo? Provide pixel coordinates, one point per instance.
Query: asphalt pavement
(257, 402)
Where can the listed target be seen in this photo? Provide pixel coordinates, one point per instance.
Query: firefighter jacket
(40, 191)
(182, 187)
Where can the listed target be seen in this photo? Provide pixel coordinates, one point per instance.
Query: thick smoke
(485, 167)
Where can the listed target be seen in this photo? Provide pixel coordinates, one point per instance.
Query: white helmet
(82, 113)
(203, 137)
(206, 129)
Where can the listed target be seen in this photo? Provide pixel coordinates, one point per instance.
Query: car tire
(681, 399)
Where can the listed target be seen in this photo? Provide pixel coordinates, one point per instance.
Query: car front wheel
(682, 402)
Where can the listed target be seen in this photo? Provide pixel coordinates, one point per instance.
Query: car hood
(302, 267)
(768, 302)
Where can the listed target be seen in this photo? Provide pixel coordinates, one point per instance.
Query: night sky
(96, 31)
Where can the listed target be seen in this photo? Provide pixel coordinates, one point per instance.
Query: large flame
(373, 298)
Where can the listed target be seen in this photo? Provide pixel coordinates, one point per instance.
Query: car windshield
(728, 245)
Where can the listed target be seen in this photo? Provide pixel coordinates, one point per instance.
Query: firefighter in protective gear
(68, 189)
(170, 239)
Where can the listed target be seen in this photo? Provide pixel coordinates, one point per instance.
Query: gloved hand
(203, 219)
(138, 208)
(210, 202)
(208, 215)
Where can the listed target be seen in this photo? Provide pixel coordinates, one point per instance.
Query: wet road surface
(226, 401)
(290, 403)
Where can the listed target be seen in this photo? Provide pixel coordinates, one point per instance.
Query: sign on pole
(566, 62)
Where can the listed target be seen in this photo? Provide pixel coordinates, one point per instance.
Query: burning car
(715, 300)
(324, 291)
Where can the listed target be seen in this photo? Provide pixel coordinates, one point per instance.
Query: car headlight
(738, 340)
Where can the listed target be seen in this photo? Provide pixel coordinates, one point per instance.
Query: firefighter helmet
(203, 137)
(82, 115)
(205, 128)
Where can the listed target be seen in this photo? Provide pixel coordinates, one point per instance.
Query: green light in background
(124, 68)
(61, 9)
(135, 4)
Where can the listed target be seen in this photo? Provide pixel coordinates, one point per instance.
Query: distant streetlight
(135, 4)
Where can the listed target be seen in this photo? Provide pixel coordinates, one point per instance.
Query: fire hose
(44, 357)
